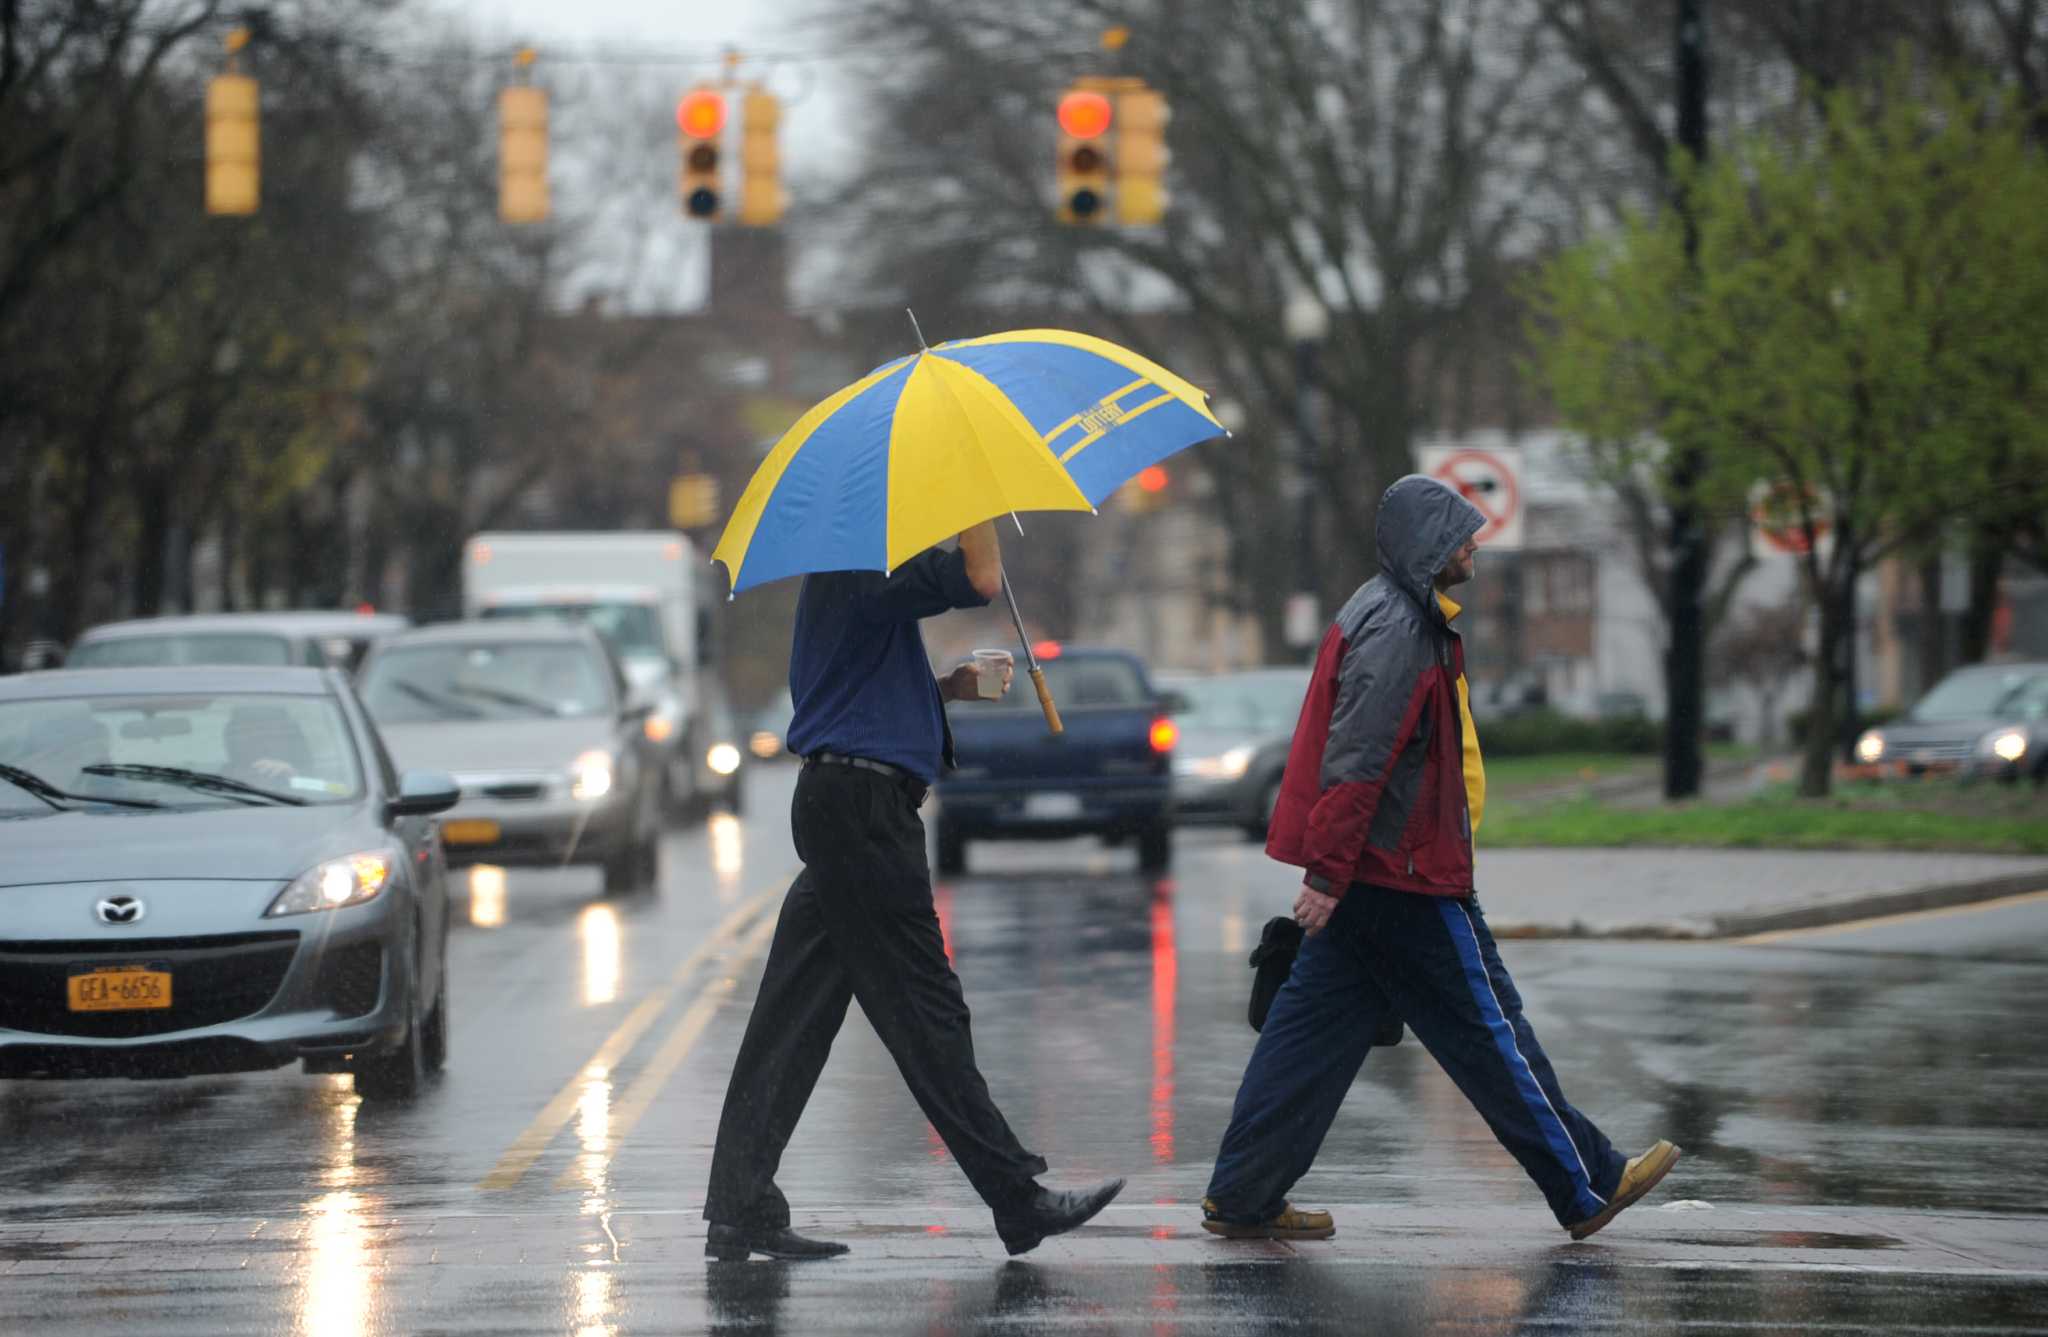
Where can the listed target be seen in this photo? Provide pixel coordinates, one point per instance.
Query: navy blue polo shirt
(859, 674)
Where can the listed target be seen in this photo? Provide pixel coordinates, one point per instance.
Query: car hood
(465, 747)
(1905, 733)
(218, 844)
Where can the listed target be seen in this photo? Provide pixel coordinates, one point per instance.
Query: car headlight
(1870, 748)
(591, 776)
(2005, 744)
(1229, 766)
(723, 758)
(329, 886)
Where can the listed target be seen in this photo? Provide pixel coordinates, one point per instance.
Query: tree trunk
(1987, 564)
(1933, 647)
(1818, 763)
(146, 583)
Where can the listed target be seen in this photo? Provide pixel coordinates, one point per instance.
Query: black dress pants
(857, 923)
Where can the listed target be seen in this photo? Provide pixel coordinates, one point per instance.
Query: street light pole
(1307, 324)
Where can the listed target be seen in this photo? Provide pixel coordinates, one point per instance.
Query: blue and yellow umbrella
(926, 446)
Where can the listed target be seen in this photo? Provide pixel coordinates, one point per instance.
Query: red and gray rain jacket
(1374, 789)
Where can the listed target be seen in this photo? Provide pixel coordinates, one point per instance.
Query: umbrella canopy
(926, 446)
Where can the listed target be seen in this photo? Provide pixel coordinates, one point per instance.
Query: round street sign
(1774, 511)
(1486, 479)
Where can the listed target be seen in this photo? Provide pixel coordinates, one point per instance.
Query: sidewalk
(1718, 893)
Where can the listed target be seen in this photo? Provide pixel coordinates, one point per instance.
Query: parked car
(1984, 721)
(1110, 774)
(215, 870)
(312, 637)
(1235, 731)
(533, 720)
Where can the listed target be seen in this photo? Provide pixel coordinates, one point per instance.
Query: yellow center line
(1881, 921)
(640, 1096)
(534, 1139)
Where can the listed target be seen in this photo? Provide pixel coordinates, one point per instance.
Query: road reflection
(727, 857)
(1165, 995)
(593, 1312)
(603, 960)
(486, 896)
(338, 1287)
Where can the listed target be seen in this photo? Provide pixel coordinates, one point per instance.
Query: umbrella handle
(1052, 712)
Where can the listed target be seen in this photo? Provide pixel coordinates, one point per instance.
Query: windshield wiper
(434, 698)
(201, 780)
(50, 794)
(503, 697)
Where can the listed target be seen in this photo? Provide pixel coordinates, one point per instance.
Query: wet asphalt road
(1861, 1110)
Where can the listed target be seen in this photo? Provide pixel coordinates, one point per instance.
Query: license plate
(1052, 807)
(119, 989)
(469, 832)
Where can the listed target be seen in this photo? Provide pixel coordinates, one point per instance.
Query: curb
(1936, 896)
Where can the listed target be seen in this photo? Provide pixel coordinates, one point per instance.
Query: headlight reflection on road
(599, 928)
(339, 1286)
(486, 896)
(593, 1316)
(726, 858)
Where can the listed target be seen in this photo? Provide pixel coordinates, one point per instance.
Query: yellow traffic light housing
(1081, 170)
(1141, 157)
(700, 124)
(233, 159)
(761, 198)
(693, 500)
(523, 152)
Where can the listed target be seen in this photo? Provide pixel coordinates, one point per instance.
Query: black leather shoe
(1052, 1213)
(732, 1244)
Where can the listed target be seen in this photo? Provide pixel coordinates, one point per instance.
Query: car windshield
(630, 629)
(187, 647)
(1980, 694)
(193, 750)
(1243, 702)
(1081, 682)
(501, 680)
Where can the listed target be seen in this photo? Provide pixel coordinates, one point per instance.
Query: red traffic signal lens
(701, 113)
(701, 202)
(1152, 478)
(1084, 204)
(1084, 115)
(702, 158)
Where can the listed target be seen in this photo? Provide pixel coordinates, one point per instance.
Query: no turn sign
(1490, 479)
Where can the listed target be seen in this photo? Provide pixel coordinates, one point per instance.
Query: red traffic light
(1152, 478)
(1085, 115)
(701, 113)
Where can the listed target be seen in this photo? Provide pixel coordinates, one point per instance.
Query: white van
(648, 594)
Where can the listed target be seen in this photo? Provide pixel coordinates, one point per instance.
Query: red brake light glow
(1046, 650)
(1165, 733)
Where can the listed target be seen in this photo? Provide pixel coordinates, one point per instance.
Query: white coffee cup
(991, 667)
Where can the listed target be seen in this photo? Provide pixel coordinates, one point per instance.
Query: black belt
(912, 784)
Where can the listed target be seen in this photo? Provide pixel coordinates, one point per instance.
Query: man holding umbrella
(859, 923)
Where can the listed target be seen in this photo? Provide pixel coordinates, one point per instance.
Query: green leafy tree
(1858, 334)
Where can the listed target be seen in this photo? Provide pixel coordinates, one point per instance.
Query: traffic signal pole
(1685, 670)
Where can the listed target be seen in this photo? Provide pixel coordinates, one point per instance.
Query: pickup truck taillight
(1165, 733)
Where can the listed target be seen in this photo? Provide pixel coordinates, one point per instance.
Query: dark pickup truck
(1109, 774)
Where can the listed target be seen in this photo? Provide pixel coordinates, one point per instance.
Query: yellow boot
(1286, 1224)
(1638, 1177)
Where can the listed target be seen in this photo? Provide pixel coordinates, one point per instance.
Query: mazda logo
(120, 910)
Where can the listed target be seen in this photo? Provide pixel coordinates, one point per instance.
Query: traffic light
(1141, 116)
(760, 160)
(693, 500)
(233, 173)
(1144, 493)
(1082, 169)
(700, 122)
(522, 154)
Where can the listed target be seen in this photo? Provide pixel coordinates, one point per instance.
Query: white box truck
(648, 594)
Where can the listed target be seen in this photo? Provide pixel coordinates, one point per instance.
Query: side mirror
(1174, 703)
(424, 793)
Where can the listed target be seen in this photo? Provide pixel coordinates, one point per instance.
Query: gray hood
(1421, 524)
(230, 842)
(468, 746)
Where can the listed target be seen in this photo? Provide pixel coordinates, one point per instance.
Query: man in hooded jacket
(1383, 790)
